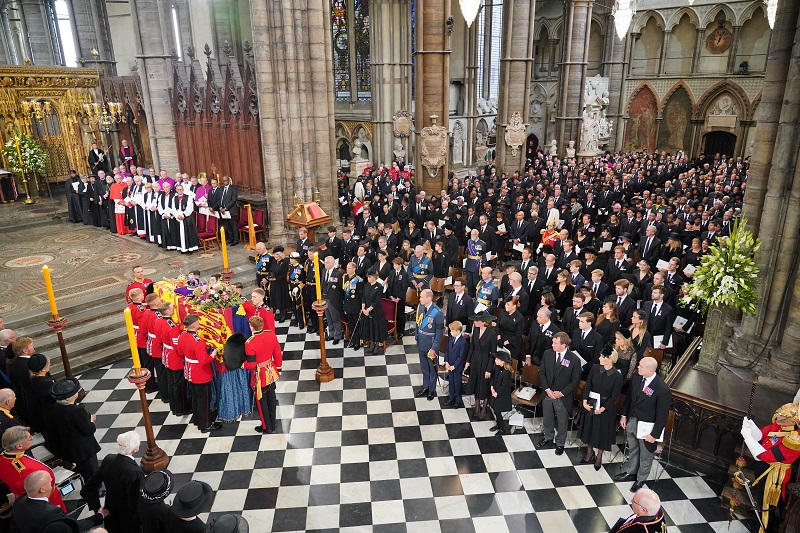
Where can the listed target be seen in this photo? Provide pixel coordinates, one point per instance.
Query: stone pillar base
(357, 167)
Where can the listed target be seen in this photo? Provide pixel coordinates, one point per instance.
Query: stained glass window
(341, 50)
(363, 78)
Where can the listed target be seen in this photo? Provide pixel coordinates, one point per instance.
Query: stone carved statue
(571, 149)
(357, 146)
(399, 152)
(553, 150)
(595, 128)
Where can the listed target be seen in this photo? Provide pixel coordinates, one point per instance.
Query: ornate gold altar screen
(66, 133)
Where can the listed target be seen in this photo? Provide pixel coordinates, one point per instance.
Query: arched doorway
(532, 143)
(719, 142)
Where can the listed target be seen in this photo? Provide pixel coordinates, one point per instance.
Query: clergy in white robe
(183, 229)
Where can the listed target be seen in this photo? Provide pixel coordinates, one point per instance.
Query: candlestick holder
(227, 274)
(154, 458)
(324, 371)
(57, 323)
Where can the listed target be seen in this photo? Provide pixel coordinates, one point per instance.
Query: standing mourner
(184, 227)
(559, 375)
(333, 294)
(197, 359)
(430, 329)
(263, 265)
(454, 360)
(72, 427)
(297, 280)
(598, 429)
(500, 391)
(482, 345)
(373, 322)
(278, 284)
(265, 359)
(353, 287)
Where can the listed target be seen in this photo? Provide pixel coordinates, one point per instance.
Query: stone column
(92, 31)
(551, 61)
(39, 32)
(432, 82)
(698, 48)
(152, 29)
(734, 49)
(771, 205)
(471, 90)
(516, 72)
(9, 46)
(292, 52)
(225, 27)
(390, 63)
(619, 135)
(614, 69)
(573, 70)
(662, 61)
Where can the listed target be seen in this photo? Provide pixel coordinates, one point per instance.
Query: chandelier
(772, 11)
(623, 13)
(104, 114)
(36, 109)
(470, 8)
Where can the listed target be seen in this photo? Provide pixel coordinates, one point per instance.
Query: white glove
(296, 290)
(751, 427)
(753, 445)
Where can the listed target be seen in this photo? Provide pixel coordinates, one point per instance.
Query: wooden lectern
(309, 215)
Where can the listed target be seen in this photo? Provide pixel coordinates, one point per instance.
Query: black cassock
(99, 212)
(152, 222)
(183, 232)
(85, 197)
(279, 287)
(164, 210)
(73, 199)
(136, 193)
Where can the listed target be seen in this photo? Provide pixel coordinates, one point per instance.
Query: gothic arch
(601, 22)
(708, 97)
(644, 86)
(555, 27)
(711, 16)
(749, 11)
(754, 107)
(641, 21)
(676, 17)
(679, 84)
(543, 29)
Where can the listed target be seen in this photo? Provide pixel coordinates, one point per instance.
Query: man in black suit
(600, 288)
(549, 271)
(33, 512)
(517, 289)
(617, 266)
(660, 317)
(526, 262)
(519, 232)
(486, 233)
(587, 342)
(362, 261)
(397, 286)
(534, 286)
(332, 293)
(349, 247)
(334, 246)
(459, 305)
(650, 247)
(569, 322)
(559, 375)
(540, 337)
(123, 479)
(98, 160)
(302, 244)
(648, 401)
(228, 197)
(625, 304)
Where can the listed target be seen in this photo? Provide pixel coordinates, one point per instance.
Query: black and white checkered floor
(362, 454)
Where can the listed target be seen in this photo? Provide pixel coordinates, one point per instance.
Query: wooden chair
(454, 273)
(437, 286)
(208, 238)
(202, 221)
(530, 375)
(669, 431)
(244, 229)
(412, 301)
(440, 369)
(346, 329)
(656, 354)
(390, 314)
(258, 221)
(577, 408)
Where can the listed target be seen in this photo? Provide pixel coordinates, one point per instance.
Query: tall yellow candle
(132, 338)
(19, 152)
(224, 248)
(316, 276)
(48, 284)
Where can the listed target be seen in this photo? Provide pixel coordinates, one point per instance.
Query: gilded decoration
(433, 143)
(62, 132)
(515, 133)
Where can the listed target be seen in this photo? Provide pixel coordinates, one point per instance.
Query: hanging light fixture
(772, 11)
(623, 13)
(691, 2)
(470, 8)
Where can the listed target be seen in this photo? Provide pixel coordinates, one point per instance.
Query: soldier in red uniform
(198, 358)
(265, 358)
(139, 282)
(173, 388)
(145, 337)
(257, 306)
(15, 465)
(775, 447)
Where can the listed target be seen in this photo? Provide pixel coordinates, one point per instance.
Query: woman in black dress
(640, 337)
(597, 429)
(40, 401)
(642, 278)
(626, 357)
(479, 361)
(564, 290)
(500, 392)
(608, 322)
(278, 284)
(510, 328)
(373, 322)
(411, 233)
(440, 263)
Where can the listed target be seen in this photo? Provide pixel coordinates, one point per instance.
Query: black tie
(619, 300)
(531, 287)
(595, 288)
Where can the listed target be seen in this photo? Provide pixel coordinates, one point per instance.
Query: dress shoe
(493, 428)
(544, 443)
(447, 402)
(499, 433)
(328, 338)
(293, 323)
(598, 466)
(636, 486)
(591, 459)
(624, 477)
(559, 450)
(458, 405)
(431, 396)
(261, 429)
(420, 393)
(336, 341)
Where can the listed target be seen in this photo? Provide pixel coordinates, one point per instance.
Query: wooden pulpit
(309, 215)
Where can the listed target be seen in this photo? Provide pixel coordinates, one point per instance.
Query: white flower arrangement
(34, 157)
(727, 276)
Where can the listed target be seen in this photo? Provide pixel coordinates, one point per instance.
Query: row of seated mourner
(557, 290)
